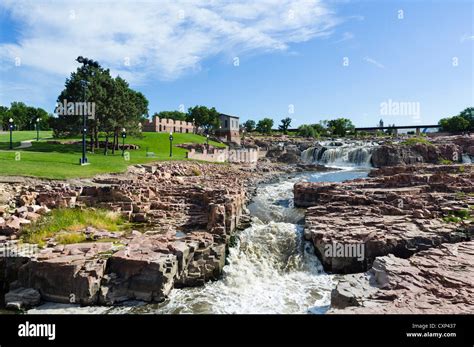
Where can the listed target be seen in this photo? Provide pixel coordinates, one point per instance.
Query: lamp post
(10, 126)
(83, 160)
(207, 141)
(171, 144)
(95, 65)
(194, 126)
(124, 135)
(37, 129)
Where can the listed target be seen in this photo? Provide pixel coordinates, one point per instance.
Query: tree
(380, 123)
(4, 116)
(265, 125)
(285, 124)
(117, 106)
(19, 113)
(464, 121)
(454, 124)
(24, 116)
(307, 131)
(175, 115)
(207, 118)
(340, 126)
(97, 90)
(249, 126)
(468, 114)
(319, 128)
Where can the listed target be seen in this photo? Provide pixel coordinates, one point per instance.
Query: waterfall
(271, 268)
(353, 153)
(466, 159)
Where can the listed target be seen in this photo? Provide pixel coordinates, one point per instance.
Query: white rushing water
(466, 159)
(272, 269)
(340, 154)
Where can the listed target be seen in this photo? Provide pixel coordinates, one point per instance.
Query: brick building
(165, 125)
(229, 128)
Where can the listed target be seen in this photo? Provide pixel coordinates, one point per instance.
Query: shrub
(416, 140)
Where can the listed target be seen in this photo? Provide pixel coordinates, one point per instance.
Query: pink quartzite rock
(438, 280)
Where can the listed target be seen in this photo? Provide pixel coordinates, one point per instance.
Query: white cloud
(374, 62)
(467, 37)
(345, 37)
(162, 39)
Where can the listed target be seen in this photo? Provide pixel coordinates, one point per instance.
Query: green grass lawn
(61, 161)
(19, 136)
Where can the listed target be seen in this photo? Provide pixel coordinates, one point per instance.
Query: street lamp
(207, 141)
(91, 63)
(10, 126)
(194, 126)
(37, 129)
(83, 160)
(124, 135)
(171, 144)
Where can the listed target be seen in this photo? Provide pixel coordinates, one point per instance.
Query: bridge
(396, 128)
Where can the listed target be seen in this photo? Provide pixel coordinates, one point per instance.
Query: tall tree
(285, 124)
(117, 106)
(207, 118)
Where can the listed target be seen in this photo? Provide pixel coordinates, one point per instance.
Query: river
(271, 269)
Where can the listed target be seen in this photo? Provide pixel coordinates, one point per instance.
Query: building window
(226, 124)
(160, 127)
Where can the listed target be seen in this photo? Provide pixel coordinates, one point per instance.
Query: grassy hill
(61, 161)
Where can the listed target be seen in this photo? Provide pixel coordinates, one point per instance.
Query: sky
(406, 62)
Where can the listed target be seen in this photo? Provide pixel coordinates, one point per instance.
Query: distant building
(165, 125)
(229, 128)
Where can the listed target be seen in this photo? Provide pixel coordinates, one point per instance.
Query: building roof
(226, 115)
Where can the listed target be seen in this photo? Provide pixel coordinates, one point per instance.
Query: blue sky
(290, 55)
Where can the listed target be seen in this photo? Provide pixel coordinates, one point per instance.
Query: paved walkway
(25, 144)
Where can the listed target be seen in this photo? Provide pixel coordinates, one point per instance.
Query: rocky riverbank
(430, 151)
(435, 281)
(189, 212)
(405, 221)
(186, 212)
